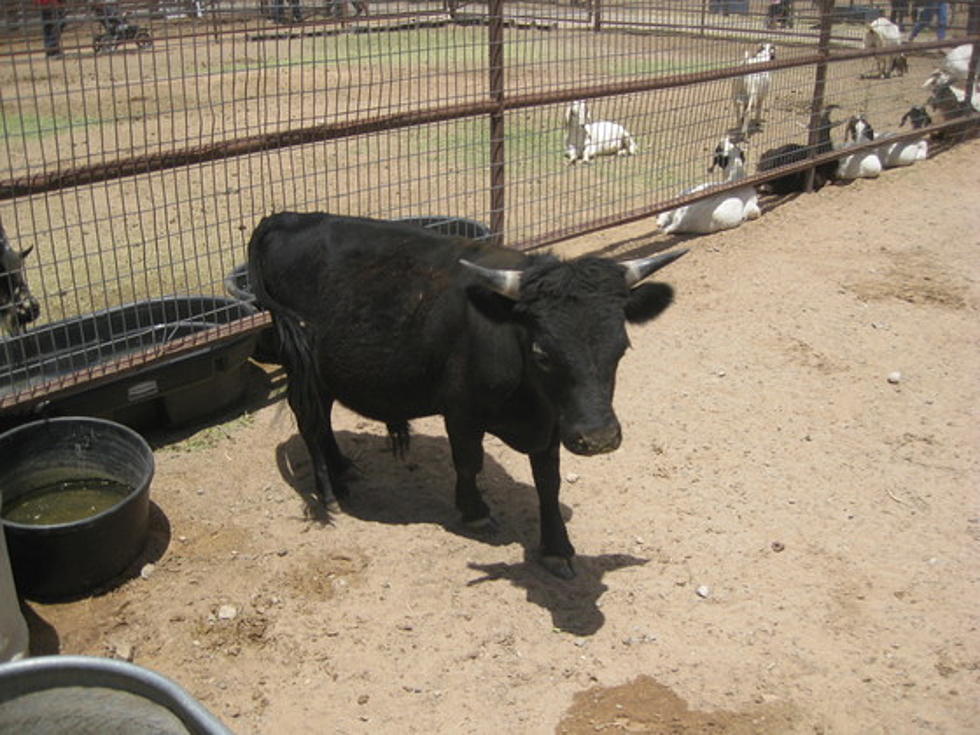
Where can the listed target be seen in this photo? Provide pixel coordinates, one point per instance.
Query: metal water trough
(86, 695)
(173, 391)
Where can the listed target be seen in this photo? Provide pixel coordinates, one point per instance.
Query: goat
(955, 67)
(864, 164)
(720, 212)
(584, 139)
(749, 92)
(791, 153)
(906, 152)
(17, 306)
(949, 103)
(882, 33)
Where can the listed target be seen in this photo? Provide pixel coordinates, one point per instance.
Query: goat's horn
(637, 270)
(505, 282)
(25, 253)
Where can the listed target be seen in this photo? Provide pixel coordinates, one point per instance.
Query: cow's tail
(295, 342)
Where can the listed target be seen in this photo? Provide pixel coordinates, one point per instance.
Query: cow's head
(17, 306)
(574, 314)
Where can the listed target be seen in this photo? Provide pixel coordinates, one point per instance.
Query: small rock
(571, 478)
(363, 699)
(121, 651)
(704, 591)
(895, 377)
(147, 571)
(778, 546)
(227, 612)
(720, 373)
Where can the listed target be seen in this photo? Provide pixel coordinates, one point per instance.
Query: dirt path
(786, 542)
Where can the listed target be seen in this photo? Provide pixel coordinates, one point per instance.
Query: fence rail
(139, 170)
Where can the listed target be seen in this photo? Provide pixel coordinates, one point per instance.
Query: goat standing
(749, 92)
(584, 139)
(882, 33)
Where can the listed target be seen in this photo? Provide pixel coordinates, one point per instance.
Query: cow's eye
(541, 357)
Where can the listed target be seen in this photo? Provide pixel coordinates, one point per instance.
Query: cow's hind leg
(307, 408)
(467, 447)
(556, 548)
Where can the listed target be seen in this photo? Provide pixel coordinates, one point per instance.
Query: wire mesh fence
(144, 140)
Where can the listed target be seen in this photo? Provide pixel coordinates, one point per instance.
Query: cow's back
(383, 303)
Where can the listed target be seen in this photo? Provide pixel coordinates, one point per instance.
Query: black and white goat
(882, 33)
(723, 211)
(749, 92)
(791, 153)
(585, 139)
(17, 306)
(906, 152)
(864, 164)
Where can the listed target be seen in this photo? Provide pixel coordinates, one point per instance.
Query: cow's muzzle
(596, 441)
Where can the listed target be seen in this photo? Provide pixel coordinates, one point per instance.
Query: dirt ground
(787, 542)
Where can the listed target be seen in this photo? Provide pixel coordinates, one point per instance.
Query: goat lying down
(584, 139)
(906, 152)
(721, 212)
(792, 153)
(863, 164)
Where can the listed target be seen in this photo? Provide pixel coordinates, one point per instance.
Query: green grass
(18, 125)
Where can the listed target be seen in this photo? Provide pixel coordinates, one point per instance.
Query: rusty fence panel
(144, 139)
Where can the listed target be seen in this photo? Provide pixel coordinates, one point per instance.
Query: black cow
(397, 322)
(17, 306)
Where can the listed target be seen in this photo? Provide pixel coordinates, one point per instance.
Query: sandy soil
(787, 542)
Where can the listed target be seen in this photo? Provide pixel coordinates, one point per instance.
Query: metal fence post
(819, 83)
(495, 50)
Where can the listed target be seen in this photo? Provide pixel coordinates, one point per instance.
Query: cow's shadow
(419, 489)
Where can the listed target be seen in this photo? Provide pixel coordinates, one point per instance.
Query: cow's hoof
(559, 566)
(487, 524)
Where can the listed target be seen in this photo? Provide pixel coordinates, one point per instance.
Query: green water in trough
(66, 501)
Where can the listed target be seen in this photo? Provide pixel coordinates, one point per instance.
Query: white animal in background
(721, 212)
(749, 92)
(584, 139)
(906, 152)
(955, 67)
(882, 33)
(863, 164)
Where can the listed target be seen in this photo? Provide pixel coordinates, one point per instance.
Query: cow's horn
(637, 270)
(505, 282)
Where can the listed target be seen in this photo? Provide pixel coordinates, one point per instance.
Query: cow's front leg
(556, 549)
(467, 447)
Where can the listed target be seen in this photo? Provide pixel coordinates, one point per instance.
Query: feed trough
(237, 282)
(172, 391)
(85, 695)
(76, 499)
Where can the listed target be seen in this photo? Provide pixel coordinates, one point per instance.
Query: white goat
(584, 139)
(749, 92)
(882, 33)
(862, 165)
(721, 212)
(906, 152)
(955, 67)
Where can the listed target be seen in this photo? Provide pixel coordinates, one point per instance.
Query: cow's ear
(492, 305)
(647, 301)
